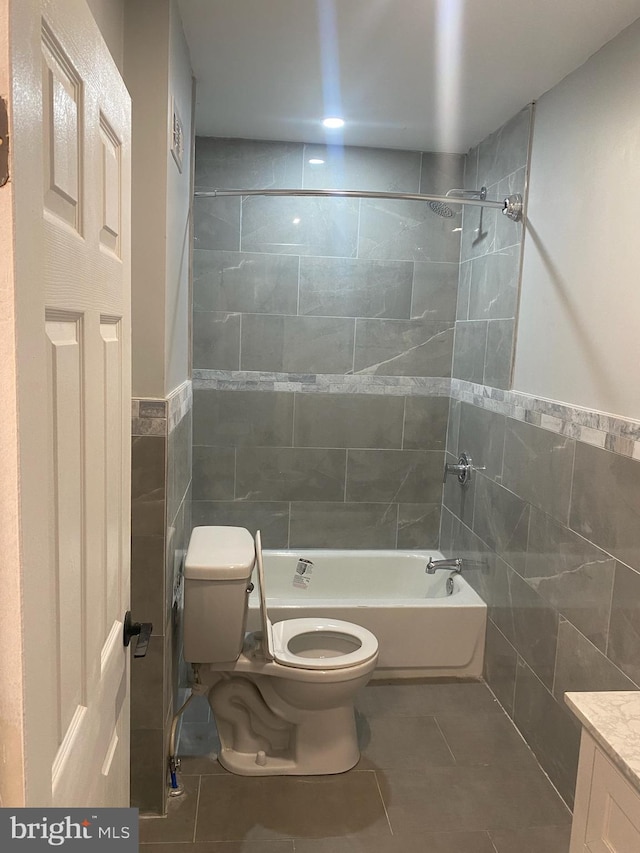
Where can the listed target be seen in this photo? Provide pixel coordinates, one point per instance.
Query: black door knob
(141, 630)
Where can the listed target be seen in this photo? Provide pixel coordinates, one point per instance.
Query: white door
(70, 179)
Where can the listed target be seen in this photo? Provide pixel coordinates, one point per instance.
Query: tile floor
(442, 771)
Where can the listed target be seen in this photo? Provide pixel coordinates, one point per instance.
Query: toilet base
(324, 743)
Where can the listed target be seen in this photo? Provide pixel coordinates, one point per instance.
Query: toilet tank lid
(220, 553)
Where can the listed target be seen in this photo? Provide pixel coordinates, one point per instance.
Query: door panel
(71, 182)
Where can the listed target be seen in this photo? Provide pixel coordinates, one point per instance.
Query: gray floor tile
(410, 700)
(469, 798)
(544, 839)
(428, 842)
(410, 744)
(234, 808)
(179, 823)
(485, 740)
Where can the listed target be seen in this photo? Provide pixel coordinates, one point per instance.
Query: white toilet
(283, 697)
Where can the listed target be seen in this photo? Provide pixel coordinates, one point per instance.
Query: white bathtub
(422, 631)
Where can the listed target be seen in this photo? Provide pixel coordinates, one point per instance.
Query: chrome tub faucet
(454, 563)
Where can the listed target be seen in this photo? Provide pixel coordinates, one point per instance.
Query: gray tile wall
(161, 525)
(550, 533)
(490, 258)
(322, 287)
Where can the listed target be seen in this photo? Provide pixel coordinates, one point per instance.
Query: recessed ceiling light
(333, 123)
(316, 161)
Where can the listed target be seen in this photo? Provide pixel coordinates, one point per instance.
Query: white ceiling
(430, 75)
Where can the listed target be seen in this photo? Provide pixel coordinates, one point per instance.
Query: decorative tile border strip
(148, 417)
(179, 402)
(326, 383)
(620, 435)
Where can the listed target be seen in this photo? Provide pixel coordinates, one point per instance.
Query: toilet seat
(346, 644)
(331, 633)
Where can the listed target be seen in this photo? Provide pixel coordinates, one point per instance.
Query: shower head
(441, 209)
(444, 210)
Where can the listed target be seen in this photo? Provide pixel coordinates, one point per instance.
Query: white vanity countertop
(613, 720)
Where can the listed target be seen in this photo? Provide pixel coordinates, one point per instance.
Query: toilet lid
(286, 633)
(277, 639)
(267, 631)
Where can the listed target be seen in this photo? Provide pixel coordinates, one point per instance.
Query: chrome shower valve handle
(462, 469)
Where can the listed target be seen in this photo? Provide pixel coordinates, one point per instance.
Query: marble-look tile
(147, 682)
(435, 289)
(245, 282)
(469, 350)
(403, 348)
(446, 531)
(500, 665)
(548, 730)
(528, 622)
(179, 462)
(493, 285)
(351, 420)
(350, 287)
(297, 344)
(453, 427)
(499, 353)
(149, 426)
(213, 473)
(481, 436)
(270, 517)
(216, 340)
(574, 576)
(425, 423)
(506, 149)
(367, 169)
(418, 525)
(464, 290)
(538, 466)
(148, 773)
(580, 666)
(147, 589)
(300, 226)
(148, 487)
(216, 223)
(608, 515)
(290, 474)
(343, 525)
(405, 230)
(478, 232)
(407, 476)
(501, 519)
(234, 418)
(624, 630)
(441, 172)
(247, 164)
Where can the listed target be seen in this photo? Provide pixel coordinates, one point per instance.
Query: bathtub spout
(454, 563)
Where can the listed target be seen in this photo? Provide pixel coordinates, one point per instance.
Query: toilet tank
(217, 572)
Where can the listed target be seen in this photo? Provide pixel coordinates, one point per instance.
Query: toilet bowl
(282, 697)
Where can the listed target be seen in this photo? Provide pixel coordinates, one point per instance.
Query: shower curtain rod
(511, 206)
